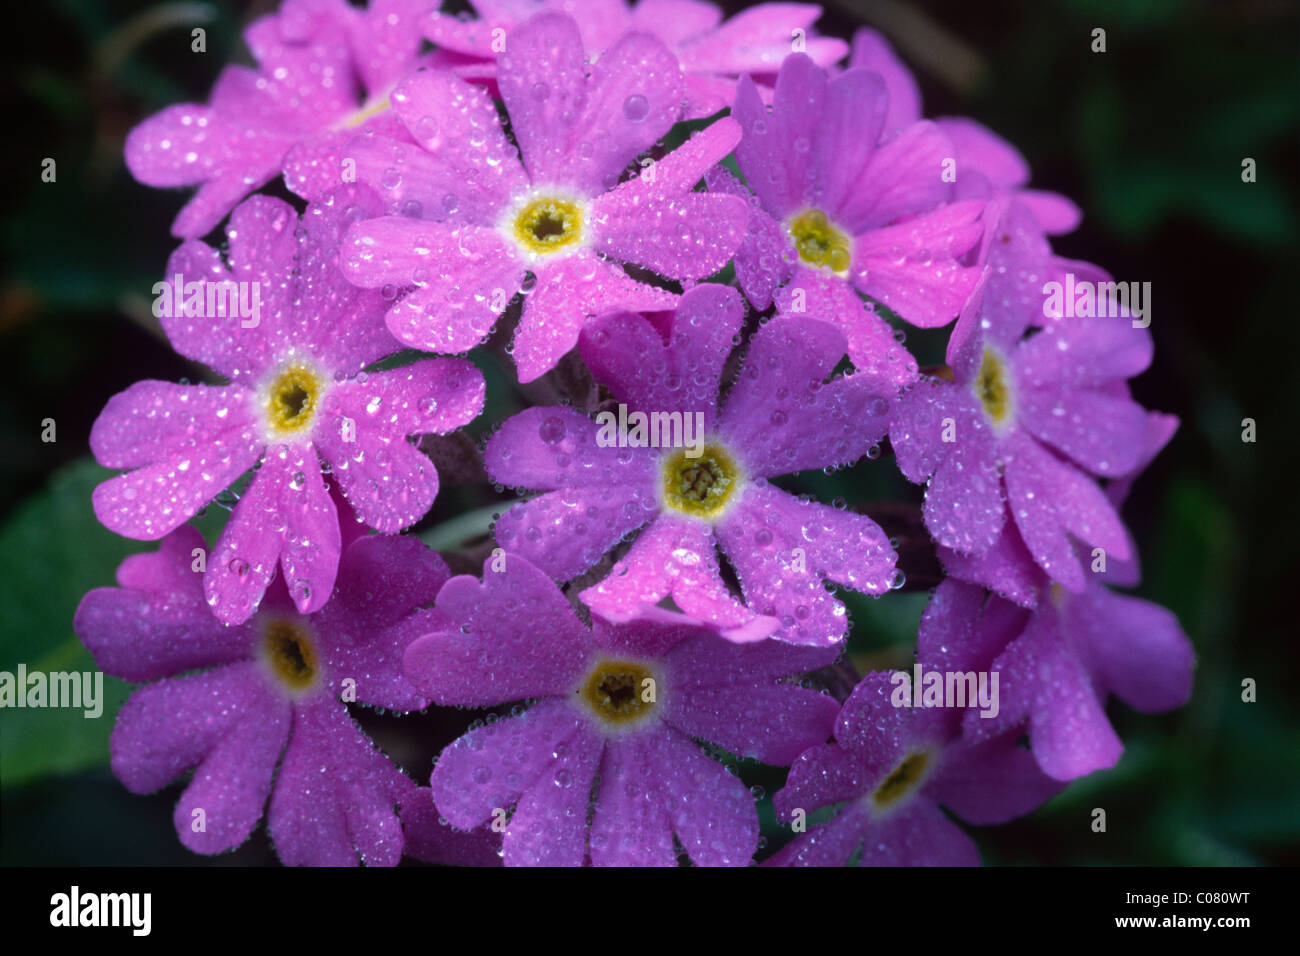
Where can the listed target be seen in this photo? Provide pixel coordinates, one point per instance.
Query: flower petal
(677, 558)
(141, 635)
(341, 815)
(771, 723)
(567, 295)
(780, 416)
(711, 811)
(1050, 499)
(630, 826)
(1098, 432)
(783, 548)
(628, 356)
(871, 51)
(872, 344)
(490, 647)
(913, 266)
(549, 826)
(991, 782)
(557, 447)
(566, 532)
(773, 154)
(485, 770)
(1139, 651)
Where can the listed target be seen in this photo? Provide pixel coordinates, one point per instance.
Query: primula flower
(258, 709)
(1008, 569)
(560, 214)
(1019, 424)
(297, 393)
(835, 200)
(712, 53)
(619, 701)
(1016, 220)
(987, 166)
(871, 51)
(324, 69)
(781, 416)
(1077, 649)
(892, 766)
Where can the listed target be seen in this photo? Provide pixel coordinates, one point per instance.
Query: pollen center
(290, 653)
(905, 778)
(700, 486)
(548, 224)
(292, 400)
(992, 388)
(620, 692)
(819, 243)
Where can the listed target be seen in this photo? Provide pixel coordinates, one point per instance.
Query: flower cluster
(700, 317)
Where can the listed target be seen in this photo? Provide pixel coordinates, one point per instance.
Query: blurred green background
(1148, 138)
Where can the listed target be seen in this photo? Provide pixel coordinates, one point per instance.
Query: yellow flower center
(548, 224)
(902, 782)
(819, 243)
(292, 399)
(700, 487)
(992, 387)
(290, 654)
(620, 692)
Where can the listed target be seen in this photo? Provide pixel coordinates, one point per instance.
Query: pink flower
(297, 393)
(1058, 665)
(835, 200)
(1016, 220)
(1029, 413)
(1008, 569)
(475, 221)
(892, 766)
(986, 165)
(1071, 654)
(257, 710)
(781, 416)
(713, 54)
(623, 701)
(324, 68)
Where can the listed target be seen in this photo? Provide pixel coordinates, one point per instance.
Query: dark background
(1147, 137)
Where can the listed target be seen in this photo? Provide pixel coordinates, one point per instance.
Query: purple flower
(780, 416)
(258, 709)
(1008, 569)
(871, 51)
(712, 53)
(1075, 651)
(324, 68)
(622, 701)
(836, 200)
(297, 393)
(1016, 220)
(475, 224)
(892, 766)
(1024, 417)
(986, 165)
(1059, 665)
